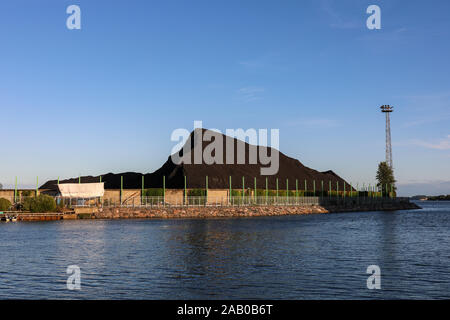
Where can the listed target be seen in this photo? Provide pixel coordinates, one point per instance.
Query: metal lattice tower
(387, 109)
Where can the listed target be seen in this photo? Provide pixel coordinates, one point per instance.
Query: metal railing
(203, 201)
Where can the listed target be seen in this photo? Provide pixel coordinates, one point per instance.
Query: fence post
(15, 191)
(121, 190)
(185, 192)
(277, 191)
(337, 189)
(164, 190)
(321, 182)
(267, 189)
(344, 189)
(254, 198)
(243, 189)
(314, 188)
(329, 187)
(287, 190)
(306, 188)
(229, 196)
(206, 200)
(142, 190)
(101, 198)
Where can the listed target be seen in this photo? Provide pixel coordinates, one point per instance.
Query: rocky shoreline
(247, 211)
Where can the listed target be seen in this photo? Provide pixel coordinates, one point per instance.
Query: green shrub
(238, 193)
(42, 203)
(196, 193)
(154, 192)
(4, 204)
(284, 193)
(26, 193)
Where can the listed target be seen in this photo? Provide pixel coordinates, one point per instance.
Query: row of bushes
(155, 192)
(4, 204)
(159, 192)
(41, 203)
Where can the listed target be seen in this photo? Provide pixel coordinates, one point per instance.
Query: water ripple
(295, 257)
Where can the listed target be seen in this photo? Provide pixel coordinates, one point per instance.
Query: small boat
(14, 219)
(7, 219)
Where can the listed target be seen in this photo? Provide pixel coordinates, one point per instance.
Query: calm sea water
(297, 257)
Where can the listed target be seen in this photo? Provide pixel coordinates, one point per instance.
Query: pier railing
(210, 201)
(199, 201)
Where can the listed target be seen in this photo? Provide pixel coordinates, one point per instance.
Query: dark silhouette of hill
(218, 174)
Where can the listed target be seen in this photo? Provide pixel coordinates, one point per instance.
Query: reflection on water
(297, 257)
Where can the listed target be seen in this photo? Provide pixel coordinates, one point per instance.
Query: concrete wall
(112, 196)
(174, 196)
(217, 195)
(129, 196)
(9, 193)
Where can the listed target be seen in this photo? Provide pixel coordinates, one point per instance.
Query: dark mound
(218, 174)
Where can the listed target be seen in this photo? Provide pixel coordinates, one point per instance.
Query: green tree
(385, 178)
(4, 204)
(42, 203)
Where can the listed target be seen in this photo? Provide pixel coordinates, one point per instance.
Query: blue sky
(106, 98)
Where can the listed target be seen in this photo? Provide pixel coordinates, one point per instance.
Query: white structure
(81, 190)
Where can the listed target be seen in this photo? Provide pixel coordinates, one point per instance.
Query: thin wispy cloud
(268, 61)
(426, 187)
(337, 21)
(387, 39)
(254, 63)
(427, 108)
(315, 123)
(426, 121)
(430, 100)
(251, 93)
(443, 144)
(400, 30)
(258, 62)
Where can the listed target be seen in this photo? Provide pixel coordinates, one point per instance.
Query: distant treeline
(431, 198)
(439, 198)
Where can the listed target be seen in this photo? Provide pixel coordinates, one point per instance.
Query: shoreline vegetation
(217, 211)
(431, 198)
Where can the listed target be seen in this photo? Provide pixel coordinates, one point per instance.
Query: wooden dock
(48, 216)
(39, 216)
